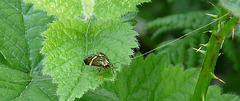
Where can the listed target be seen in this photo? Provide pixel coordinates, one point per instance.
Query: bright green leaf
(153, 79)
(70, 41)
(232, 5)
(64, 8)
(103, 9)
(113, 9)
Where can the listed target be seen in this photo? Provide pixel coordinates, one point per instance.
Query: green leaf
(215, 94)
(13, 41)
(63, 8)
(153, 79)
(114, 9)
(103, 9)
(70, 41)
(232, 5)
(20, 34)
(10, 89)
(20, 44)
(130, 18)
(19, 86)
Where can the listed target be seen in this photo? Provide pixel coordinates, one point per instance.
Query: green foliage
(71, 39)
(185, 54)
(20, 44)
(232, 5)
(19, 86)
(20, 34)
(83, 28)
(154, 79)
(188, 21)
(231, 50)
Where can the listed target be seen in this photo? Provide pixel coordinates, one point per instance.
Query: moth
(100, 60)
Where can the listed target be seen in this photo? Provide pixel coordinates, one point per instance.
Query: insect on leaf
(84, 28)
(70, 41)
(153, 79)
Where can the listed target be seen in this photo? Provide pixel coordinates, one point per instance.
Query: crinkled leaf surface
(232, 5)
(20, 44)
(104, 9)
(64, 8)
(153, 79)
(70, 41)
(113, 9)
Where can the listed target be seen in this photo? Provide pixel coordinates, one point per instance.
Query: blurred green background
(161, 21)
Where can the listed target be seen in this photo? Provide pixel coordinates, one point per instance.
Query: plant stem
(212, 53)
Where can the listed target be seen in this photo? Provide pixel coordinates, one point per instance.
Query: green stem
(211, 57)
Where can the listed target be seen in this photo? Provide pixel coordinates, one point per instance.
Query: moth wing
(102, 55)
(88, 59)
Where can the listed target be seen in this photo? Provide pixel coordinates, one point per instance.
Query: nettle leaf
(232, 5)
(20, 44)
(104, 9)
(70, 41)
(152, 79)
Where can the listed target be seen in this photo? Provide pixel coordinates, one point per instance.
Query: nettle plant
(42, 54)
